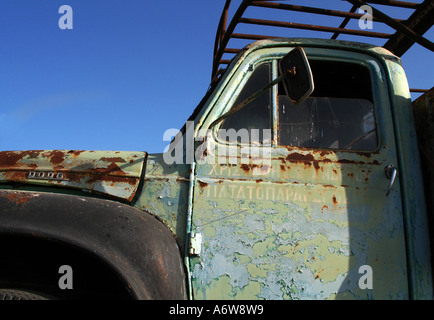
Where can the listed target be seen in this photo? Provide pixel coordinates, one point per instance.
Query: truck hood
(113, 173)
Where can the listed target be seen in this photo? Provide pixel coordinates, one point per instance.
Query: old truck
(305, 180)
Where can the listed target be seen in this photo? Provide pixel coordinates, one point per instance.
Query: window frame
(320, 54)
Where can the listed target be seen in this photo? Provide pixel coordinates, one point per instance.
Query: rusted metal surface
(407, 32)
(165, 193)
(113, 173)
(273, 23)
(394, 3)
(327, 12)
(345, 22)
(399, 27)
(299, 228)
(305, 224)
(420, 21)
(224, 33)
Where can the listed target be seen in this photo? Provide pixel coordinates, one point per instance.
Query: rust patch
(114, 179)
(296, 157)
(115, 159)
(113, 168)
(18, 198)
(248, 167)
(324, 207)
(346, 161)
(75, 153)
(56, 157)
(310, 160)
(245, 167)
(111, 174)
(202, 184)
(334, 200)
(73, 176)
(11, 158)
(367, 176)
(16, 176)
(307, 159)
(323, 153)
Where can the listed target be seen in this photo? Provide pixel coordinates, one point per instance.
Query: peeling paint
(301, 226)
(164, 194)
(104, 172)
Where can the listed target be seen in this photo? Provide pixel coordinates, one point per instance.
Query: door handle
(391, 173)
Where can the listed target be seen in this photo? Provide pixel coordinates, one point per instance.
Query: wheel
(13, 294)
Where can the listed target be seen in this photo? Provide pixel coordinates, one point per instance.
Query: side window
(338, 115)
(255, 115)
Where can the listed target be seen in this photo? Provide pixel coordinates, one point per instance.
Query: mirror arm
(251, 98)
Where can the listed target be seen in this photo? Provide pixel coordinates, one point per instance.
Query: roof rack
(405, 32)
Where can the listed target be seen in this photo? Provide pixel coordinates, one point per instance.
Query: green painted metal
(303, 226)
(300, 224)
(165, 193)
(418, 247)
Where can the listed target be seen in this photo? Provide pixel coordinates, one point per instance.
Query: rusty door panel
(288, 235)
(303, 226)
(115, 173)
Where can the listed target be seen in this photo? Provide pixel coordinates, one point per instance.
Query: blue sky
(127, 71)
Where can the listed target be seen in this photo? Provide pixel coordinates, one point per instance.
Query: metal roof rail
(406, 32)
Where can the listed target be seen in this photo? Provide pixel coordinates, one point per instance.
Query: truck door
(309, 205)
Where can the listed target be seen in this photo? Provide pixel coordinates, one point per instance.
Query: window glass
(338, 115)
(255, 115)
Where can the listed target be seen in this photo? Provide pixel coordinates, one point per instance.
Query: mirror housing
(298, 79)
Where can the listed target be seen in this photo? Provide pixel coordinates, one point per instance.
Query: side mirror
(296, 76)
(298, 79)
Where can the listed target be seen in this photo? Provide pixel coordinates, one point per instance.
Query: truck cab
(301, 199)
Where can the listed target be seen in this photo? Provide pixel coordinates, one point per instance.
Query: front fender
(138, 247)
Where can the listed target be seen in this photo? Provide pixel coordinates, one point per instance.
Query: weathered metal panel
(165, 193)
(418, 247)
(114, 173)
(305, 225)
(286, 234)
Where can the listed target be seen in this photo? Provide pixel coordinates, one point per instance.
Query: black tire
(13, 294)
